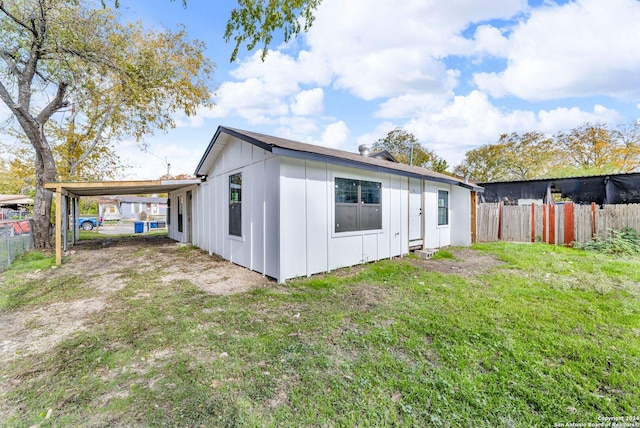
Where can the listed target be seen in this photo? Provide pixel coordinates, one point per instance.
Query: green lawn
(550, 335)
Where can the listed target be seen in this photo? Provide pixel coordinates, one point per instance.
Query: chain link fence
(15, 238)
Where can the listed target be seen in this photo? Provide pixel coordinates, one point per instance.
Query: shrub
(625, 241)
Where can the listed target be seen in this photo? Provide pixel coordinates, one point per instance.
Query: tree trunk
(45, 171)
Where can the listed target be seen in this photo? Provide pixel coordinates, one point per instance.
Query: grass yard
(541, 336)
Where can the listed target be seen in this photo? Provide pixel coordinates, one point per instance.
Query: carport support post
(65, 222)
(59, 230)
(73, 221)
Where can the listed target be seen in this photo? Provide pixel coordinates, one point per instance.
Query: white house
(288, 209)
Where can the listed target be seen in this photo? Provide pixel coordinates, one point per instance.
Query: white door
(415, 213)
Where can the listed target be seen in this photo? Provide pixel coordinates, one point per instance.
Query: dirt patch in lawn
(466, 262)
(105, 267)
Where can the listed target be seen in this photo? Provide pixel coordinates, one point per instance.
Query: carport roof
(104, 188)
(75, 189)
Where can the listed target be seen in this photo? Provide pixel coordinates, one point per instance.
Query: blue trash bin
(138, 226)
(153, 225)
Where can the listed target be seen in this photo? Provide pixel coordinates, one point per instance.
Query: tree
(120, 79)
(598, 149)
(254, 21)
(484, 164)
(585, 150)
(10, 182)
(514, 157)
(406, 148)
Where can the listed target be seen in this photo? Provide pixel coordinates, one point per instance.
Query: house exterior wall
(436, 236)
(132, 210)
(288, 214)
(309, 243)
(110, 211)
(257, 247)
(460, 215)
(189, 230)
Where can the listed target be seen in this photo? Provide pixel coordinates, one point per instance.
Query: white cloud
(412, 63)
(470, 121)
(253, 100)
(490, 40)
(389, 49)
(380, 131)
(297, 128)
(563, 119)
(335, 135)
(581, 48)
(152, 163)
(308, 102)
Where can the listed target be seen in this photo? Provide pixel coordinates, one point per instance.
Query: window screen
(443, 207)
(358, 205)
(235, 204)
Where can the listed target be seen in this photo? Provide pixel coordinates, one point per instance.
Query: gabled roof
(383, 154)
(15, 200)
(295, 149)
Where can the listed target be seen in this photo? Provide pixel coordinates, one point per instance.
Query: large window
(358, 205)
(235, 204)
(443, 207)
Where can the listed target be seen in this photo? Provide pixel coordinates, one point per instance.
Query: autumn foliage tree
(115, 79)
(514, 157)
(585, 150)
(406, 148)
(597, 149)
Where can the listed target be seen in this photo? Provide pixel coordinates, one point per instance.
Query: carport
(68, 200)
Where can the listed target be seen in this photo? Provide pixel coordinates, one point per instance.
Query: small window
(443, 207)
(358, 205)
(235, 204)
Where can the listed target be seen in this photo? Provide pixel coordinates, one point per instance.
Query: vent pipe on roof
(364, 150)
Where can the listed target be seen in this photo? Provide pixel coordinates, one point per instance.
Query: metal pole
(411, 155)
(6, 232)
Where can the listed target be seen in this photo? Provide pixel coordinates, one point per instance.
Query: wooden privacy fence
(560, 224)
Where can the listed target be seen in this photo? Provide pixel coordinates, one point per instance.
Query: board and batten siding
(288, 214)
(460, 216)
(257, 248)
(309, 243)
(435, 236)
(172, 217)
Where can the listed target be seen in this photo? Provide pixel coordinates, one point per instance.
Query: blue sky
(455, 73)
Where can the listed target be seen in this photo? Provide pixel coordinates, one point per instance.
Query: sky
(456, 74)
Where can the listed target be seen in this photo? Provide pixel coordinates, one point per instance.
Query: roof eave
(367, 166)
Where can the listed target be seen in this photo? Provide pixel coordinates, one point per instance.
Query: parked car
(88, 223)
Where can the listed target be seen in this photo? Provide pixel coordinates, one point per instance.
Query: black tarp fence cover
(601, 189)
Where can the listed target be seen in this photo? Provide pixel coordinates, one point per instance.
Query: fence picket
(520, 223)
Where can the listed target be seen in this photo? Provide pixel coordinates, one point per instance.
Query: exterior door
(415, 213)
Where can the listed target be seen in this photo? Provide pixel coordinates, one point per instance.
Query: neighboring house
(601, 189)
(130, 207)
(288, 209)
(15, 206)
